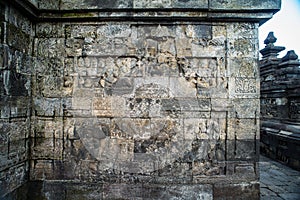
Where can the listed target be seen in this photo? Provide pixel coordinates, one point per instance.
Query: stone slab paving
(278, 181)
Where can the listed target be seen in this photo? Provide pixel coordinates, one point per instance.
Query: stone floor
(278, 181)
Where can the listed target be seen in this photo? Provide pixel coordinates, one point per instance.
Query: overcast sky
(286, 27)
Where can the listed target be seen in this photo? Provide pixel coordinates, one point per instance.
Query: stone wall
(15, 97)
(130, 102)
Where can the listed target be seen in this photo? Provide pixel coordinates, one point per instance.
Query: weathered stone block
(47, 128)
(138, 107)
(246, 171)
(13, 178)
(193, 104)
(190, 3)
(242, 47)
(247, 190)
(41, 67)
(243, 5)
(244, 108)
(17, 150)
(152, 87)
(49, 30)
(204, 129)
(242, 150)
(50, 86)
(247, 30)
(158, 191)
(243, 129)
(15, 107)
(51, 48)
(74, 47)
(212, 87)
(208, 48)
(246, 149)
(24, 64)
(48, 4)
(171, 107)
(220, 105)
(243, 67)
(170, 4)
(105, 40)
(15, 130)
(47, 148)
(123, 87)
(108, 107)
(4, 57)
(17, 38)
(92, 4)
(41, 169)
(76, 190)
(201, 169)
(80, 31)
(48, 107)
(21, 22)
(3, 155)
(15, 84)
(145, 135)
(156, 32)
(243, 87)
(203, 67)
(183, 47)
(165, 66)
(179, 87)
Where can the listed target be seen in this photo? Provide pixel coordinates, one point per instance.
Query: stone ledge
(216, 10)
(161, 16)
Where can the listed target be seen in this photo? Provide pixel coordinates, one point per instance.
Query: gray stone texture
(146, 108)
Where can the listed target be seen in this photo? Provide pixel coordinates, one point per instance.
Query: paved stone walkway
(278, 181)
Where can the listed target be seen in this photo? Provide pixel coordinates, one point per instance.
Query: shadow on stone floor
(278, 181)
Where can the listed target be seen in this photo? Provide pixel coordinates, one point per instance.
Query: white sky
(286, 27)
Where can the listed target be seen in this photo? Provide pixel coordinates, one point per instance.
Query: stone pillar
(146, 99)
(15, 98)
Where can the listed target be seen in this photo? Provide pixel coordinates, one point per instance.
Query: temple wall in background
(137, 100)
(280, 104)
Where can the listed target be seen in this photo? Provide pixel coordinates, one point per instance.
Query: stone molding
(171, 10)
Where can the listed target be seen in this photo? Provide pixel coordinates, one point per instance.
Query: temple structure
(280, 104)
(130, 99)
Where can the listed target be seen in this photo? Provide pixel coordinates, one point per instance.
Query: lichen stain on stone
(75, 15)
(102, 3)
